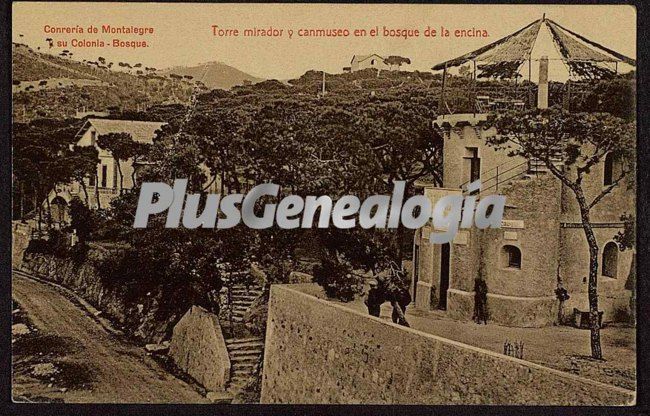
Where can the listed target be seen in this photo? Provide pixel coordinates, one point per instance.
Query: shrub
(39, 246)
(78, 252)
(338, 280)
(83, 219)
(57, 244)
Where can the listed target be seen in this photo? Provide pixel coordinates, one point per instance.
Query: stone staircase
(242, 297)
(245, 357)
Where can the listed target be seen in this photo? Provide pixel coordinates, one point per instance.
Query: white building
(360, 62)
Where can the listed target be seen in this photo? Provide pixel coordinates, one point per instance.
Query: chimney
(542, 87)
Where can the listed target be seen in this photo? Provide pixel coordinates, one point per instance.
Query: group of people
(393, 288)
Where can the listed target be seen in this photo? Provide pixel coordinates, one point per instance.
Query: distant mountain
(218, 75)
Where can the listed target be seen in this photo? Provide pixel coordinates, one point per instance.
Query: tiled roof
(140, 131)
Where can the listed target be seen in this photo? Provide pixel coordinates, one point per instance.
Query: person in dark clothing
(480, 301)
(374, 299)
(398, 293)
(401, 301)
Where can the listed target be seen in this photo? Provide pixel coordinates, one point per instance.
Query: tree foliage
(40, 152)
(343, 143)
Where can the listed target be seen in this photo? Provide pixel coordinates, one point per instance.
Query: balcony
(485, 97)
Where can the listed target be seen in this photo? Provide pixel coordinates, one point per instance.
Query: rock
(44, 370)
(219, 397)
(157, 348)
(97, 313)
(63, 390)
(15, 311)
(300, 277)
(19, 329)
(198, 348)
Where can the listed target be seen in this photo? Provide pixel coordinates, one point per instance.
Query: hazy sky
(183, 33)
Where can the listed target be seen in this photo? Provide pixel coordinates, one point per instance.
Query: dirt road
(93, 365)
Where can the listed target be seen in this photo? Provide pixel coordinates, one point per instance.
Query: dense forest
(367, 130)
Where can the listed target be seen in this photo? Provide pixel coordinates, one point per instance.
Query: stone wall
(533, 205)
(20, 240)
(613, 292)
(199, 348)
(519, 311)
(320, 352)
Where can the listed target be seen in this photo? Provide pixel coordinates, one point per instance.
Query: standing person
(398, 293)
(480, 301)
(374, 299)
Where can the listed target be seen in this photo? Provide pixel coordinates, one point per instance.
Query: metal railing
(501, 173)
(507, 172)
(461, 96)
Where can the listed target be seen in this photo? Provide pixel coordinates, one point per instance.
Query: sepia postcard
(231, 203)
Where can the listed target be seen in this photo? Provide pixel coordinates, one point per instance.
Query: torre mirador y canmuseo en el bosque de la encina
(541, 245)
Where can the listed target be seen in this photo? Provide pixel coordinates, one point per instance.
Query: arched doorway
(60, 210)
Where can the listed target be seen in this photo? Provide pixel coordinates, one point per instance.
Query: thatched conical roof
(503, 58)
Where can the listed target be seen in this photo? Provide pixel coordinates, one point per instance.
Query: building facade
(540, 246)
(360, 62)
(105, 185)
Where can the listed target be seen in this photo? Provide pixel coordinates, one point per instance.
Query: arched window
(608, 174)
(372, 62)
(510, 257)
(610, 260)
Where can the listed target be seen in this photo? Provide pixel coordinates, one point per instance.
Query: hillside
(45, 85)
(218, 75)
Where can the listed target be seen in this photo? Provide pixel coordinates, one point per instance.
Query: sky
(183, 32)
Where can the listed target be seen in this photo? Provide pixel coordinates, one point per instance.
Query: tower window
(608, 175)
(610, 260)
(511, 257)
(473, 163)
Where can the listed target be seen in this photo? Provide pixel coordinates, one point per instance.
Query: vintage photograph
(324, 203)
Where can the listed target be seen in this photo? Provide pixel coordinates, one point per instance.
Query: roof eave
(82, 130)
